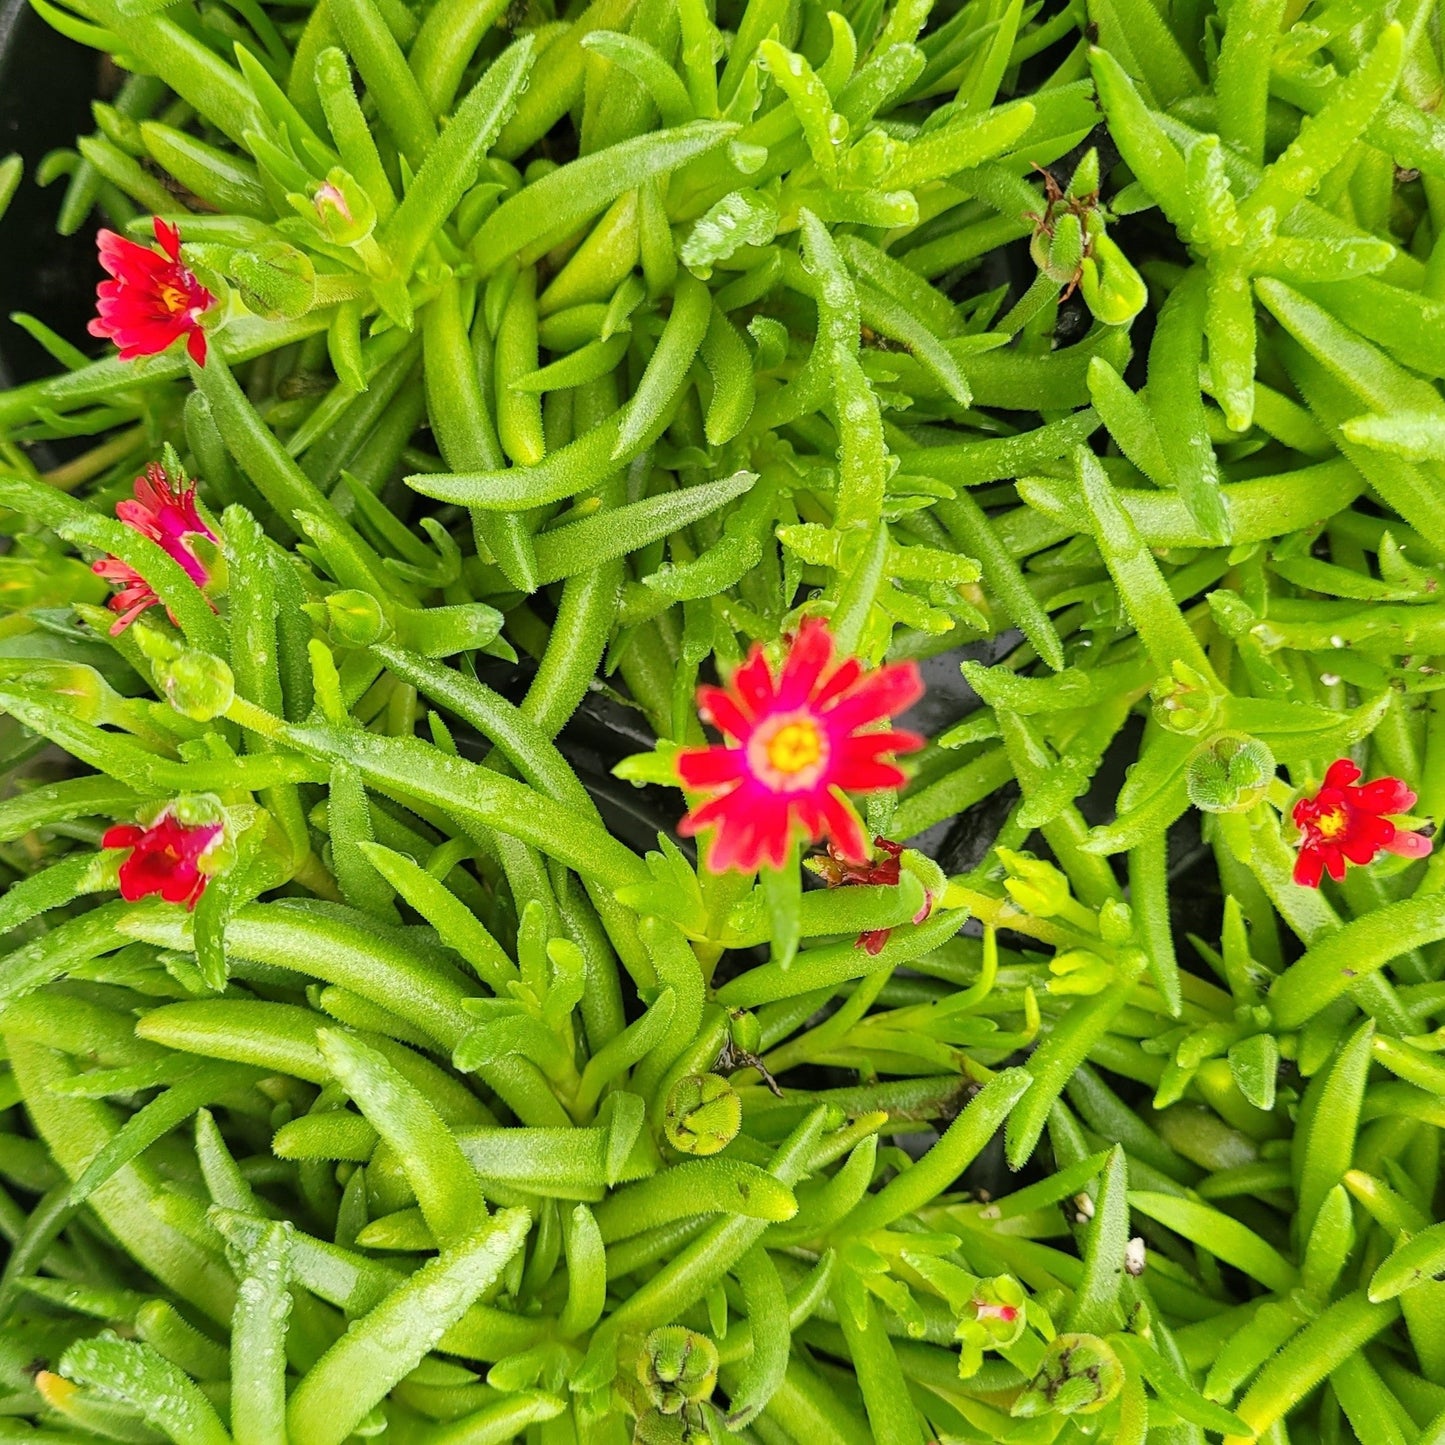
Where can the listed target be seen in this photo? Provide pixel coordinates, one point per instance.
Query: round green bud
(1230, 773)
(703, 1114)
(356, 618)
(199, 685)
(1185, 701)
(678, 1367)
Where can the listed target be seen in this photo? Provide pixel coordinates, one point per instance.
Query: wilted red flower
(163, 509)
(838, 872)
(1347, 823)
(165, 858)
(153, 297)
(799, 748)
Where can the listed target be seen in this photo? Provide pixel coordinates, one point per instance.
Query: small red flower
(800, 745)
(153, 298)
(164, 510)
(837, 872)
(165, 858)
(1344, 822)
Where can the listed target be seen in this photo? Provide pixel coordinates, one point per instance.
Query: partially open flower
(800, 745)
(153, 298)
(170, 855)
(1348, 823)
(163, 509)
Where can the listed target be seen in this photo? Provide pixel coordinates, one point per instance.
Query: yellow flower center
(795, 746)
(789, 754)
(1332, 823)
(173, 299)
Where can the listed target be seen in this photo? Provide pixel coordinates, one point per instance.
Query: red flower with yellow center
(163, 509)
(152, 299)
(167, 857)
(798, 746)
(1346, 823)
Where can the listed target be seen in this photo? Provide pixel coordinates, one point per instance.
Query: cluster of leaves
(612, 337)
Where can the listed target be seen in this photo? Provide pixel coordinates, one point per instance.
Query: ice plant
(168, 855)
(798, 744)
(163, 509)
(1345, 822)
(152, 299)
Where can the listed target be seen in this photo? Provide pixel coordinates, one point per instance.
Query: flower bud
(1113, 290)
(1084, 183)
(1116, 921)
(993, 1319)
(745, 1031)
(341, 209)
(275, 279)
(678, 1367)
(1184, 702)
(356, 618)
(1037, 887)
(199, 685)
(1079, 972)
(1060, 253)
(1230, 773)
(1079, 1375)
(703, 1114)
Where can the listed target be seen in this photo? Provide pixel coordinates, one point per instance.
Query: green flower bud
(745, 1032)
(678, 1367)
(1060, 253)
(1113, 290)
(1037, 887)
(1084, 183)
(341, 209)
(1185, 701)
(356, 618)
(993, 1319)
(1116, 921)
(1079, 972)
(199, 685)
(275, 279)
(703, 1114)
(1079, 1375)
(1230, 773)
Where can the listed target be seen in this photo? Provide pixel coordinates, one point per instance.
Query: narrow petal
(196, 346)
(845, 828)
(752, 682)
(1308, 868)
(717, 706)
(885, 693)
(810, 654)
(709, 767)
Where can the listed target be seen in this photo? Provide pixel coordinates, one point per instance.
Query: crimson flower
(838, 872)
(797, 746)
(163, 509)
(152, 299)
(1345, 822)
(166, 857)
